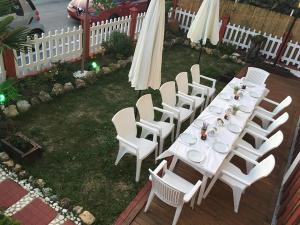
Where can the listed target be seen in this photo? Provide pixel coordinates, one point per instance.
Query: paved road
(54, 14)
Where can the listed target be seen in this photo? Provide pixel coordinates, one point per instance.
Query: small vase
(234, 112)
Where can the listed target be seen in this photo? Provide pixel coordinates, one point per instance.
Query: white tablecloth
(213, 160)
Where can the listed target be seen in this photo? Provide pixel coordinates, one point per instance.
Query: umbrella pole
(200, 53)
(135, 109)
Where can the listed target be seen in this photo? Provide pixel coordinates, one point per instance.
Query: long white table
(213, 160)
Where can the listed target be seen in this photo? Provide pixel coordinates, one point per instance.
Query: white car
(26, 14)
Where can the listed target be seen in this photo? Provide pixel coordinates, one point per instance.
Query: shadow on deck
(257, 204)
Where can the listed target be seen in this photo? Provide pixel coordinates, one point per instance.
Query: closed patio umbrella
(145, 70)
(206, 24)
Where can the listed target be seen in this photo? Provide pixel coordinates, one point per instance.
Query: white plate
(188, 139)
(234, 128)
(215, 109)
(225, 96)
(220, 147)
(244, 108)
(198, 123)
(254, 94)
(196, 155)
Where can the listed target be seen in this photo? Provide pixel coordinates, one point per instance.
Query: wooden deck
(258, 202)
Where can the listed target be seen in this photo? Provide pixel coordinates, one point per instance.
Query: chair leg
(156, 154)
(249, 166)
(138, 169)
(192, 117)
(173, 135)
(178, 128)
(258, 142)
(150, 198)
(237, 192)
(161, 145)
(177, 214)
(265, 123)
(193, 201)
(121, 153)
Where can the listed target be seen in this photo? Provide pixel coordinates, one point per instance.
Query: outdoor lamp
(2, 99)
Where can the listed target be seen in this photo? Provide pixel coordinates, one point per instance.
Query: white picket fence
(239, 36)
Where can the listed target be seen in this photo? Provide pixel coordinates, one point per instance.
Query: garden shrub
(9, 90)
(120, 43)
(4, 220)
(226, 48)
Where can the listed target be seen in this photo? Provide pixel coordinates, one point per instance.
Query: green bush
(9, 91)
(226, 48)
(4, 220)
(120, 43)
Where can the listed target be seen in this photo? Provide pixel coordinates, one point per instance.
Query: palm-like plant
(11, 38)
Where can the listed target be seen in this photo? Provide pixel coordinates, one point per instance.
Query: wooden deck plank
(258, 202)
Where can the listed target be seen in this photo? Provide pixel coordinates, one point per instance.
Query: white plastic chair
(196, 77)
(183, 88)
(171, 189)
(169, 103)
(249, 151)
(279, 107)
(125, 124)
(146, 112)
(260, 133)
(256, 76)
(238, 181)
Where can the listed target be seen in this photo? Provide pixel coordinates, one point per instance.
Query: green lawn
(78, 137)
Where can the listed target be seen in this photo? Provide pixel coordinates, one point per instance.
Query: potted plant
(203, 131)
(235, 109)
(20, 145)
(236, 92)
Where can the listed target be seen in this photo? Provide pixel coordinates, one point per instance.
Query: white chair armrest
(244, 157)
(249, 150)
(249, 131)
(199, 88)
(270, 101)
(124, 141)
(154, 131)
(250, 125)
(187, 99)
(171, 108)
(161, 166)
(210, 79)
(152, 125)
(260, 115)
(237, 178)
(261, 109)
(188, 196)
(171, 115)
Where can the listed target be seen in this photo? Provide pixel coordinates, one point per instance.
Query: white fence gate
(239, 36)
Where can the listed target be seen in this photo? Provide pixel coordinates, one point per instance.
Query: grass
(78, 137)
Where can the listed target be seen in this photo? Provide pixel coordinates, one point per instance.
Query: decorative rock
(87, 218)
(186, 42)
(4, 156)
(209, 51)
(23, 174)
(236, 54)
(77, 209)
(225, 57)
(40, 183)
(35, 101)
(47, 191)
(193, 45)
(233, 57)
(240, 61)
(91, 77)
(53, 198)
(17, 168)
(80, 83)
(44, 96)
(114, 66)
(106, 70)
(65, 203)
(58, 89)
(122, 63)
(10, 164)
(68, 87)
(11, 111)
(101, 51)
(179, 40)
(23, 106)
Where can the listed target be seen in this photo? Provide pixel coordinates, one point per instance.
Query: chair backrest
(182, 82)
(165, 192)
(278, 122)
(124, 122)
(282, 105)
(257, 76)
(195, 71)
(273, 142)
(168, 93)
(261, 170)
(145, 107)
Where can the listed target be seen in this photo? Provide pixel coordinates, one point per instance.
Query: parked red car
(121, 9)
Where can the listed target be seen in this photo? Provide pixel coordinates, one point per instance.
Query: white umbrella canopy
(146, 65)
(206, 23)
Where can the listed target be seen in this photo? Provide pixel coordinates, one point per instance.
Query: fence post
(225, 21)
(133, 13)
(9, 63)
(285, 39)
(174, 9)
(86, 26)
